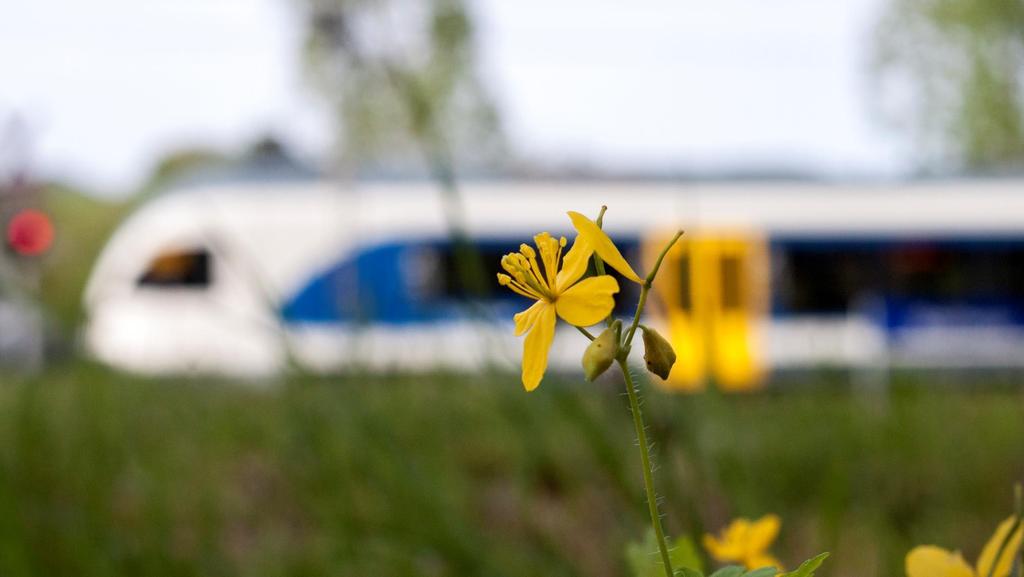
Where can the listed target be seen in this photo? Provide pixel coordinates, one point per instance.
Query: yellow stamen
(506, 281)
(524, 291)
(549, 255)
(512, 267)
(520, 269)
(558, 257)
(530, 258)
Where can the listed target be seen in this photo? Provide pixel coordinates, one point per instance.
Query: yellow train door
(675, 310)
(712, 296)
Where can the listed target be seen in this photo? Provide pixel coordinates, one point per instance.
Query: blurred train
(247, 279)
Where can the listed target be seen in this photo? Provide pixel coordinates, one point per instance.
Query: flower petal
(717, 549)
(988, 554)
(526, 319)
(602, 245)
(932, 561)
(574, 264)
(761, 534)
(761, 561)
(537, 343)
(729, 548)
(589, 301)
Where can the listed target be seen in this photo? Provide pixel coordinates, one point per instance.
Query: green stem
(634, 396)
(638, 417)
(644, 289)
(598, 263)
(627, 344)
(645, 457)
(661, 257)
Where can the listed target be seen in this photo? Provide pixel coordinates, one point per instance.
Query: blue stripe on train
(374, 286)
(413, 282)
(407, 282)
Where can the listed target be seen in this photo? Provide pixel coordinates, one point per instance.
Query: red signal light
(30, 232)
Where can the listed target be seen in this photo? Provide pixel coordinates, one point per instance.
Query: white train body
(244, 279)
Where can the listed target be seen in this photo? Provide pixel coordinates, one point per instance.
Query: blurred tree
(178, 163)
(401, 78)
(951, 72)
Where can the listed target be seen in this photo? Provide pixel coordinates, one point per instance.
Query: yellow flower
(556, 286)
(746, 542)
(932, 561)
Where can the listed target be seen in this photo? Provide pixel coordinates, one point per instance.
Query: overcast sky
(107, 86)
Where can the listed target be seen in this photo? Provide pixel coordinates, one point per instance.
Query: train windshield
(188, 268)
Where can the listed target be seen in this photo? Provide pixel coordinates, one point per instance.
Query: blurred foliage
(83, 223)
(952, 71)
(644, 559)
(806, 569)
(105, 474)
(401, 78)
(181, 163)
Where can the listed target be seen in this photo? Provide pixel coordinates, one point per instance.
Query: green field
(103, 474)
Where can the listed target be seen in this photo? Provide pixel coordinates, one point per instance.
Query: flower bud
(658, 353)
(601, 352)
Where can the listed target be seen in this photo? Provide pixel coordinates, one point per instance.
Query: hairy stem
(634, 394)
(638, 417)
(645, 457)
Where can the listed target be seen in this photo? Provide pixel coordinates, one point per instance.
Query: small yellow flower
(556, 286)
(746, 542)
(932, 561)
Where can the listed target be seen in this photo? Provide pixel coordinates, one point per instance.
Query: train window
(955, 273)
(832, 278)
(423, 273)
(478, 265)
(685, 287)
(178, 269)
(487, 257)
(826, 278)
(732, 282)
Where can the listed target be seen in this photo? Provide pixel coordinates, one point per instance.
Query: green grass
(104, 474)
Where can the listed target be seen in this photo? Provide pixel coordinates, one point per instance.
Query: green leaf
(762, 572)
(644, 559)
(684, 553)
(730, 571)
(808, 567)
(687, 572)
